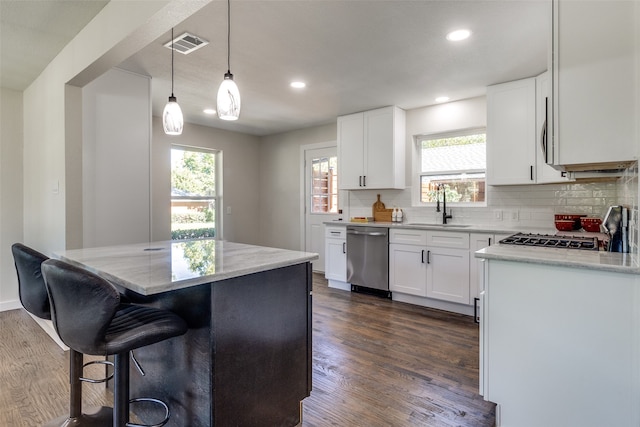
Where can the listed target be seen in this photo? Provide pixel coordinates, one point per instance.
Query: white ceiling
(33, 32)
(353, 54)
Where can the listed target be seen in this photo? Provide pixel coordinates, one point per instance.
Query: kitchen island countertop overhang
(151, 268)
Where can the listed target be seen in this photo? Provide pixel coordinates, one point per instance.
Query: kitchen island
(246, 358)
(560, 336)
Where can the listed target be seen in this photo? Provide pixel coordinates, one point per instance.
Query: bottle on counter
(394, 215)
(400, 215)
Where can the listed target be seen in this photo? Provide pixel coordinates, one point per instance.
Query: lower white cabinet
(433, 264)
(479, 241)
(407, 269)
(563, 339)
(448, 274)
(335, 252)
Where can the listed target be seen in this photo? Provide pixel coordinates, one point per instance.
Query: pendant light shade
(172, 119)
(228, 100)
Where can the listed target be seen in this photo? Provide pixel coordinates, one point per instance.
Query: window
(324, 184)
(456, 160)
(194, 193)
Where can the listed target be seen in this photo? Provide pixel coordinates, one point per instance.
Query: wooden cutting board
(380, 212)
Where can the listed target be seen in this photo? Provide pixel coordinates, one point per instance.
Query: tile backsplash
(518, 207)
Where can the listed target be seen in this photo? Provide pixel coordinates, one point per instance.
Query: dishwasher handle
(366, 233)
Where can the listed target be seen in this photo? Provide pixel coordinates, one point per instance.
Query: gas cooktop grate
(552, 241)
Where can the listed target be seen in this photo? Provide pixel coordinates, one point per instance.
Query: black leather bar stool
(90, 318)
(34, 298)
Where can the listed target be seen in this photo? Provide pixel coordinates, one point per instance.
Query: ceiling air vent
(186, 43)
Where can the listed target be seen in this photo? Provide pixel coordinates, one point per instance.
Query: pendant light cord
(228, 36)
(172, 49)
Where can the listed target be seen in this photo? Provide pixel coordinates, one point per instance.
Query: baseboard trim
(10, 305)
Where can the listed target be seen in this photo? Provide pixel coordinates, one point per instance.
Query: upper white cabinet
(517, 123)
(594, 83)
(511, 132)
(371, 149)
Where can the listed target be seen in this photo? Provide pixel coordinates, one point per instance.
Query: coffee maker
(616, 224)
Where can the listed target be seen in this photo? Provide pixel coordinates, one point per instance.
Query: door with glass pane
(321, 198)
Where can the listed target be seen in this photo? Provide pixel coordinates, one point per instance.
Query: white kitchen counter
(593, 260)
(469, 228)
(151, 268)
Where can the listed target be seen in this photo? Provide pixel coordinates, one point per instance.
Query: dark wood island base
(246, 359)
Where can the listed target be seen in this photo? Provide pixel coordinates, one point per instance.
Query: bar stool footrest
(156, 401)
(97, 381)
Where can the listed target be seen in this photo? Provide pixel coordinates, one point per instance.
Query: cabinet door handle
(344, 247)
(364, 180)
(360, 181)
(531, 172)
(428, 257)
(545, 131)
(475, 310)
(489, 241)
(422, 258)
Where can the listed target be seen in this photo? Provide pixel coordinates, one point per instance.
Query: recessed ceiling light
(458, 35)
(442, 99)
(298, 85)
(209, 111)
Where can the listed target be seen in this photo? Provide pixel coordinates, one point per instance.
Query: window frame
(417, 173)
(217, 198)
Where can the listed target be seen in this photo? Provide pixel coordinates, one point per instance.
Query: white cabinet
(448, 274)
(479, 241)
(335, 253)
(595, 83)
(511, 132)
(516, 118)
(433, 264)
(407, 269)
(371, 149)
(563, 339)
(545, 173)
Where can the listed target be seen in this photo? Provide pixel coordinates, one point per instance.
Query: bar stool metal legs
(121, 401)
(94, 417)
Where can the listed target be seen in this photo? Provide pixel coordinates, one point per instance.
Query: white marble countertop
(595, 260)
(575, 258)
(151, 268)
(468, 228)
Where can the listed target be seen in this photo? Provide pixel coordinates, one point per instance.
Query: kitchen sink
(425, 224)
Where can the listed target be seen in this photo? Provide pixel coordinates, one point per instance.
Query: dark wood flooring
(375, 363)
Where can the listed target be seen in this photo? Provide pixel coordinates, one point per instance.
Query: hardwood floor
(375, 363)
(383, 363)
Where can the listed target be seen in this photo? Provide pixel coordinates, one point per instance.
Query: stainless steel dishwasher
(368, 259)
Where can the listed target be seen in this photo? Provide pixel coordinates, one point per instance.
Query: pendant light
(228, 101)
(172, 119)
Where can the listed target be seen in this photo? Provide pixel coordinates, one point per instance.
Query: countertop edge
(623, 263)
(468, 228)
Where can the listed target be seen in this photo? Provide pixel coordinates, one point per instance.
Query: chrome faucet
(439, 188)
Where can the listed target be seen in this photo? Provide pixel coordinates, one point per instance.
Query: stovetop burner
(552, 241)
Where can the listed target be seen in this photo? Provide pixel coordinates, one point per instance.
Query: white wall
(10, 193)
(241, 179)
(116, 147)
(280, 182)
